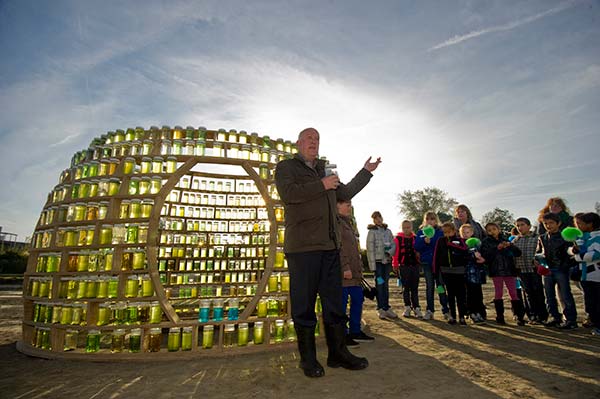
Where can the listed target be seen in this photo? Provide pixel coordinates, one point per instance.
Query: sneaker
(350, 341)
(596, 331)
(451, 320)
(406, 311)
(418, 313)
(391, 314)
(568, 325)
(447, 316)
(362, 337)
(382, 314)
(428, 315)
(553, 323)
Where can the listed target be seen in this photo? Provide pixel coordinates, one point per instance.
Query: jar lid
(119, 331)
(174, 330)
(229, 327)
(155, 330)
(136, 331)
(258, 324)
(242, 325)
(209, 328)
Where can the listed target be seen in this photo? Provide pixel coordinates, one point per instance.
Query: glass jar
(135, 209)
(132, 287)
(113, 186)
(134, 186)
(106, 234)
(91, 288)
(272, 307)
(207, 336)
(218, 309)
(146, 208)
(102, 210)
(263, 171)
(132, 313)
(282, 306)
(200, 148)
(229, 335)
(92, 341)
(154, 340)
(144, 186)
(279, 258)
(258, 333)
(81, 288)
(279, 333)
(66, 315)
(165, 148)
(273, 282)
(146, 147)
(79, 212)
(53, 262)
(177, 147)
(128, 166)
(135, 340)
(118, 234)
(117, 341)
(204, 312)
(244, 152)
(291, 331)
(132, 234)
(103, 314)
(233, 310)
(233, 151)
(186, 339)
(157, 164)
(171, 165)
(174, 339)
(146, 165)
(124, 209)
(56, 311)
(147, 288)
(113, 287)
(112, 166)
(94, 166)
(242, 338)
(285, 282)
(91, 212)
(118, 313)
(155, 313)
(70, 340)
(102, 287)
(155, 184)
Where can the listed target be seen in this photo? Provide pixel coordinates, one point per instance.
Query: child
(587, 255)
(351, 265)
(450, 259)
(554, 249)
(474, 273)
(380, 248)
(406, 262)
(500, 256)
(425, 247)
(526, 241)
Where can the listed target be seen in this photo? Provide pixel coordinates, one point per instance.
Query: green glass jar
(155, 313)
(94, 166)
(81, 288)
(177, 147)
(174, 339)
(102, 210)
(92, 341)
(102, 287)
(242, 334)
(79, 212)
(118, 313)
(34, 286)
(75, 191)
(279, 331)
(82, 261)
(138, 261)
(272, 307)
(56, 312)
(113, 287)
(258, 333)
(128, 166)
(132, 313)
(135, 340)
(72, 284)
(66, 314)
(134, 186)
(200, 148)
(135, 209)
(45, 341)
(94, 184)
(146, 147)
(53, 262)
(228, 335)
(103, 314)
(70, 238)
(106, 234)
(171, 165)
(144, 186)
(146, 208)
(132, 234)
(147, 288)
(117, 341)
(186, 339)
(113, 186)
(155, 184)
(273, 283)
(45, 287)
(91, 290)
(207, 336)
(132, 287)
(157, 164)
(84, 190)
(146, 165)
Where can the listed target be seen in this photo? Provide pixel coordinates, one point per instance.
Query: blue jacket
(424, 249)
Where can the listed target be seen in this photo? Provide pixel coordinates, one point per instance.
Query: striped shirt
(527, 244)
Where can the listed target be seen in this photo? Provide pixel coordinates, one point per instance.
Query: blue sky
(496, 102)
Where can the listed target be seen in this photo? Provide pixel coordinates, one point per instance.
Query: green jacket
(310, 210)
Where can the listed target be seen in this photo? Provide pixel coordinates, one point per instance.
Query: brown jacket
(349, 254)
(310, 210)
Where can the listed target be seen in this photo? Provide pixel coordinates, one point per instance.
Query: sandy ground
(410, 359)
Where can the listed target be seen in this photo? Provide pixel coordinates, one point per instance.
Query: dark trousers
(534, 289)
(382, 278)
(592, 300)
(356, 304)
(457, 293)
(311, 273)
(410, 280)
(475, 299)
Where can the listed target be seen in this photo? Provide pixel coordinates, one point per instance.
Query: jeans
(430, 289)
(356, 304)
(566, 297)
(382, 277)
(410, 281)
(311, 273)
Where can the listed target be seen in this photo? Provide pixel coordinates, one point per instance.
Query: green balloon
(473, 242)
(571, 234)
(429, 231)
(440, 289)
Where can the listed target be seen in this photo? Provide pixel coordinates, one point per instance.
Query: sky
(496, 102)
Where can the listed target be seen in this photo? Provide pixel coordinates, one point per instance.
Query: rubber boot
(519, 311)
(339, 355)
(308, 352)
(499, 304)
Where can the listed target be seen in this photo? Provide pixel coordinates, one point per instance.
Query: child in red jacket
(405, 262)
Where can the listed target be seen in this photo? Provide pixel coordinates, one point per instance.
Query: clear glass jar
(229, 335)
(177, 147)
(71, 337)
(171, 165)
(117, 341)
(135, 340)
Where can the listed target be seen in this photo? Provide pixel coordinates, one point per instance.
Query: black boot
(499, 304)
(519, 311)
(339, 355)
(308, 351)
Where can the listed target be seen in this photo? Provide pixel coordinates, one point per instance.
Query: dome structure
(161, 242)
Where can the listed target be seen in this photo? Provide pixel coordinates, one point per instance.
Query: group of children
(457, 258)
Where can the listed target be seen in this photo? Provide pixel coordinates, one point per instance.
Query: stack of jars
(40, 287)
(48, 263)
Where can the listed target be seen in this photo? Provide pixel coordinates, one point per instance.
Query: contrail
(511, 25)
